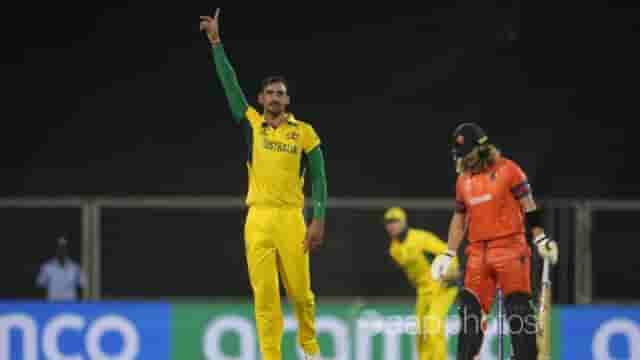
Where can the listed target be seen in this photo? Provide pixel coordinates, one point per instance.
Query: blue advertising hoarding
(123, 331)
(157, 331)
(600, 332)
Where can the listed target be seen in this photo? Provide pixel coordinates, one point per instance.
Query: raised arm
(226, 74)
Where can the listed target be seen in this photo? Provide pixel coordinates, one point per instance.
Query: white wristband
(451, 253)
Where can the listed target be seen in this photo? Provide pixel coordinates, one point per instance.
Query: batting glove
(441, 264)
(547, 248)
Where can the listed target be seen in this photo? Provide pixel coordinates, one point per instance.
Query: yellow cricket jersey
(411, 255)
(276, 160)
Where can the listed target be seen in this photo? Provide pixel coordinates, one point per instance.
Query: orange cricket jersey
(491, 200)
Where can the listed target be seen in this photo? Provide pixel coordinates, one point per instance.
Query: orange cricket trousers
(502, 262)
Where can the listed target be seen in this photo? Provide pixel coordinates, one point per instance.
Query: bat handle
(500, 326)
(545, 271)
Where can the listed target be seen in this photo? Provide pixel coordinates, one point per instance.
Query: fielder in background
(412, 250)
(277, 240)
(493, 204)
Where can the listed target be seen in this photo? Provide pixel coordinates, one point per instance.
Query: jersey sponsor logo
(280, 147)
(480, 199)
(293, 135)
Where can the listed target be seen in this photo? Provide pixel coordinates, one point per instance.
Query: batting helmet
(465, 138)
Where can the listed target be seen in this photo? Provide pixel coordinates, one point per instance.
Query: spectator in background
(61, 276)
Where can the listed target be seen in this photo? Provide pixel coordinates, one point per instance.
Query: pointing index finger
(215, 16)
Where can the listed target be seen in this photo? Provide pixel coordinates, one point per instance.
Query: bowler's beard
(274, 111)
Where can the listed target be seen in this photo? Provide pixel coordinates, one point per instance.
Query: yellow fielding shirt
(410, 254)
(276, 160)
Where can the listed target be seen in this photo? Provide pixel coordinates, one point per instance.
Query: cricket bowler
(410, 249)
(493, 203)
(277, 240)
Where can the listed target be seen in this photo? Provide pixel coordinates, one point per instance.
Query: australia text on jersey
(280, 147)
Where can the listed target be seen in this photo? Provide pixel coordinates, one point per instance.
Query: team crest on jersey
(293, 136)
(492, 176)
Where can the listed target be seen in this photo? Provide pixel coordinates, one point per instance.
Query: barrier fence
(123, 242)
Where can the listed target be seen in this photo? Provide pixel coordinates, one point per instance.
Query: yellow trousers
(274, 246)
(432, 307)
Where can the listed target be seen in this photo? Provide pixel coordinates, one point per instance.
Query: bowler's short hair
(272, 80)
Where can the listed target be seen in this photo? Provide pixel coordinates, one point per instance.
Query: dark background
(119, 100)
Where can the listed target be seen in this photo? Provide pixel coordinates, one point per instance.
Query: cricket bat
(543, 335)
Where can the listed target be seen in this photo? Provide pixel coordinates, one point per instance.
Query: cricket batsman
(493, 203)
(277, 240)
(410, 249)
